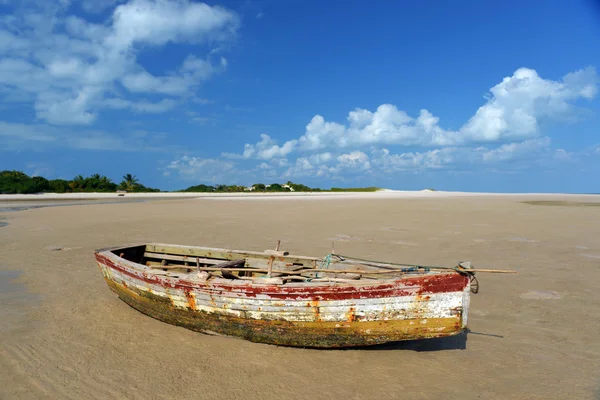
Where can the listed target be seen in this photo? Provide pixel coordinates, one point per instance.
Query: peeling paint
(297, 314)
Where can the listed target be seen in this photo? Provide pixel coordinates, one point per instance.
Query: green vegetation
(130, 183)
(273, 187)
(13, 182)
(257, 187)
(18, 182)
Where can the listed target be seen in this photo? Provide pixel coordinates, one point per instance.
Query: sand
(65, 335)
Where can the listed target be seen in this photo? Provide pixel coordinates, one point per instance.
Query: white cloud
(304, 167)
(191, 73)
(356, 159)
(513, 151)
(140, 106)
(460, 157)
(563, 155)
(157, 22)
(267, 148)
(503, 134)
(279, 162)
(159, 107)
(513, 111)
(70, 66)
(377, 163)
(16, 136)
(12, 134)
(387, 162)
(206, 169)
(327, 165)
(64, 110)
(320, 158)
(518, 104)
(265, 166)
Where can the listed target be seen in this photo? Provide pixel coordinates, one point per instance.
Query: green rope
(325, 263)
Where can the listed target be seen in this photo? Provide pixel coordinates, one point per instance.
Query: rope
(474, 284)
(325, 263)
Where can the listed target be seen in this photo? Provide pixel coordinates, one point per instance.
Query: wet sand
(65, 335)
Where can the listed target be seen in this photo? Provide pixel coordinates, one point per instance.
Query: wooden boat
(277, 298)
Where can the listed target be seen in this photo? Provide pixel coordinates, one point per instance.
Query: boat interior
(270, 266)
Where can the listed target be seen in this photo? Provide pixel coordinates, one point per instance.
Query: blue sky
(463, 95)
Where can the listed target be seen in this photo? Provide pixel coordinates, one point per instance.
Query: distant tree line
(274, 187)
(257, 187)
(16, 182)
(13, 182)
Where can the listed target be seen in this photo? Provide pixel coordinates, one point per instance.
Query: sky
(463, 95)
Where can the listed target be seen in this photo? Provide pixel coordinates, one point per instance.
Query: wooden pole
(271, 259)
(336, 271)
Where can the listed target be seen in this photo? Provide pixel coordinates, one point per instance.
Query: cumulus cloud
(356, 159)
(387, 162)
(518, 103)
(72, 68)
(513, 111)
(157, 22)
(503, 134)
(512, 151)
(383, 161)
(304, 167)
(267, 148)
(376, 163)
(460, 157)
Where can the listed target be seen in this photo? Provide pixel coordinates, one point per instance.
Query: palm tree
(129, 182)
(77, 183)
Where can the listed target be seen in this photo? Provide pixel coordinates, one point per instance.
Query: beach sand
(65, 335)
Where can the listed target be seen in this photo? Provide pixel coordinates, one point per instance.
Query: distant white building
(253, 188)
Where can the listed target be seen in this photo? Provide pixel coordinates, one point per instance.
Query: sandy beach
(533, 335)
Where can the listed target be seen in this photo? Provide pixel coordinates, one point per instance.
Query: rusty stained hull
(322, 315)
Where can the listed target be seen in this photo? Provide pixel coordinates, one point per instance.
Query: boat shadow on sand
(456, 342)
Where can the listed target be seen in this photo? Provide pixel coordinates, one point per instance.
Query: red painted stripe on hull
(409, 286)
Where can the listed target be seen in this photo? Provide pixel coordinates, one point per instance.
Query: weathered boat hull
(319, 315)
